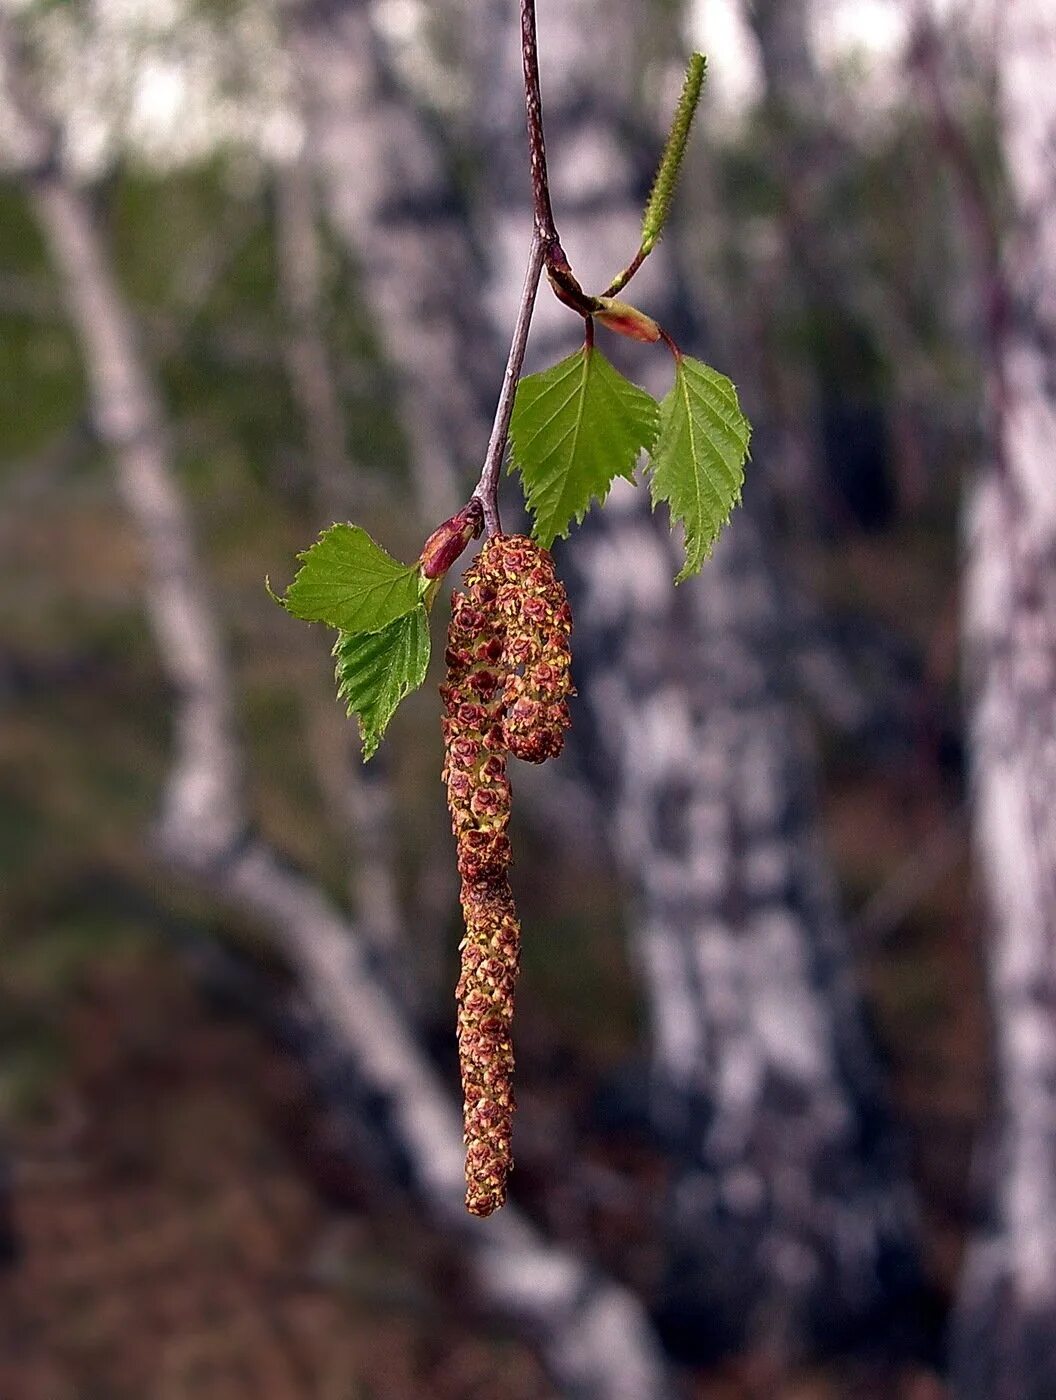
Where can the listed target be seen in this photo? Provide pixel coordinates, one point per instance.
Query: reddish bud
(448, 540)
(624, 319)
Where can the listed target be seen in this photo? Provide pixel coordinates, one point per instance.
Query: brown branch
(545, 251)
(558, 268)
(533, 110)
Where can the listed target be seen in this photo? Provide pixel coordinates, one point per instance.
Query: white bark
(202, 813)
(591, 1332)
(783, 29)
(385, 194)
(361, 796)
(389, 199)
(308, 363)
(790, 1216)
(1005, 1335)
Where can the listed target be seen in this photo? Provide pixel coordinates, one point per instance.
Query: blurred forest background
(786, 1036)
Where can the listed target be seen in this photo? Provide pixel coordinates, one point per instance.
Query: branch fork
(546, 252)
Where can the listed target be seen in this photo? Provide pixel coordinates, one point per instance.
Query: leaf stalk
(558, 269)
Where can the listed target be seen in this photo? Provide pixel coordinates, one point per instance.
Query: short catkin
(507, 688)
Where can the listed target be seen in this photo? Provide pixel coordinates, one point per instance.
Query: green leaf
(376, 670)
(576, 427)
(348, 581)
(698, 464)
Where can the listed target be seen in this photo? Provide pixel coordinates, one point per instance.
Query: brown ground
(175, 1208)
(173, 1246)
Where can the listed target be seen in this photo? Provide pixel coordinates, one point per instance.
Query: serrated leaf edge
(371, 740)
(391, 580)
(578, 365)
(737, 426)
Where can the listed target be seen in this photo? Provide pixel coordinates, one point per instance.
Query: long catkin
(507, 687)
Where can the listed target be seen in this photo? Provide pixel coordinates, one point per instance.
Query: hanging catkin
(507, 687)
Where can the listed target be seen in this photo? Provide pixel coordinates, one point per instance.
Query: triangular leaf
(376, 670)
(698, 464)
(576, 427)
(348, 581)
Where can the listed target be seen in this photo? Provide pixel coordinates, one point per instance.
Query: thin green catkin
(659, 205)
(506, 690)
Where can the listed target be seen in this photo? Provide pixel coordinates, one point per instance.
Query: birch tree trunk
(832, 411)
(782, 28)
(389, 197)
(591, 1332)
(1005, 1327)
(361, 795)
(789, 1220)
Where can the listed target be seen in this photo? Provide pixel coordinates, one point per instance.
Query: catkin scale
(508, 680)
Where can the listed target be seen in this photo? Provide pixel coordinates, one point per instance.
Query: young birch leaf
(698, 464)
(348, 581)
(376, 670)
(576, 427)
